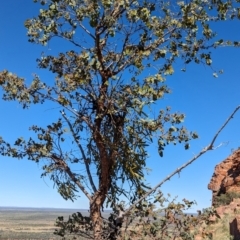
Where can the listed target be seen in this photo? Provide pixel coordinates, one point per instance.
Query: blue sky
(206, 101)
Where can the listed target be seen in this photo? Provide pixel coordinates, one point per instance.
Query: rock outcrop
(222, 225)
(225, 186)
(228, 221)
(234, 228)
(226, 177)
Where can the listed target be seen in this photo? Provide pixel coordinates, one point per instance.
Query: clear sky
(206, 101)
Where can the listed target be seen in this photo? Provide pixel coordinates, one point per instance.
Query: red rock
(234, 228)
(226, 177)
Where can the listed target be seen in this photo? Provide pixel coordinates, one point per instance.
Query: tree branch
(70, 109)
(63, 164)
(82, 152)
(86, 30)
(178, 170)
(224, 125)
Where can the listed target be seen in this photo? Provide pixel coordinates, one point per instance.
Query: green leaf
(172, 129)
(215, 75)
(187, 146)
(194, 135)
(169, 70)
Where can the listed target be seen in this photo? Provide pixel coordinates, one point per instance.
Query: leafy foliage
(145, 222)
(122, 52)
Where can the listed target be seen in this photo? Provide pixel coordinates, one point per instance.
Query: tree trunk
(95, 215)
(99, 197)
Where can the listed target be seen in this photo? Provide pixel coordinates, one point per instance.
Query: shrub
(226, 198)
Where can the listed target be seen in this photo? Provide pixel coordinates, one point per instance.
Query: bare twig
(86, 30)
(72, 110)
(224, 125)
(178, 170)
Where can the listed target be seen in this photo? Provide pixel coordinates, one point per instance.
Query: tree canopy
(122, 52)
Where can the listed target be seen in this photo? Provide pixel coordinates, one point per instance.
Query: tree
(122, 51)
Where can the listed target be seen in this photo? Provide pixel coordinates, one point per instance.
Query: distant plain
(31, 223)
(34, 223)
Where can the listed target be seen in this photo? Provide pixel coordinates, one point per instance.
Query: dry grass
(220, 229)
